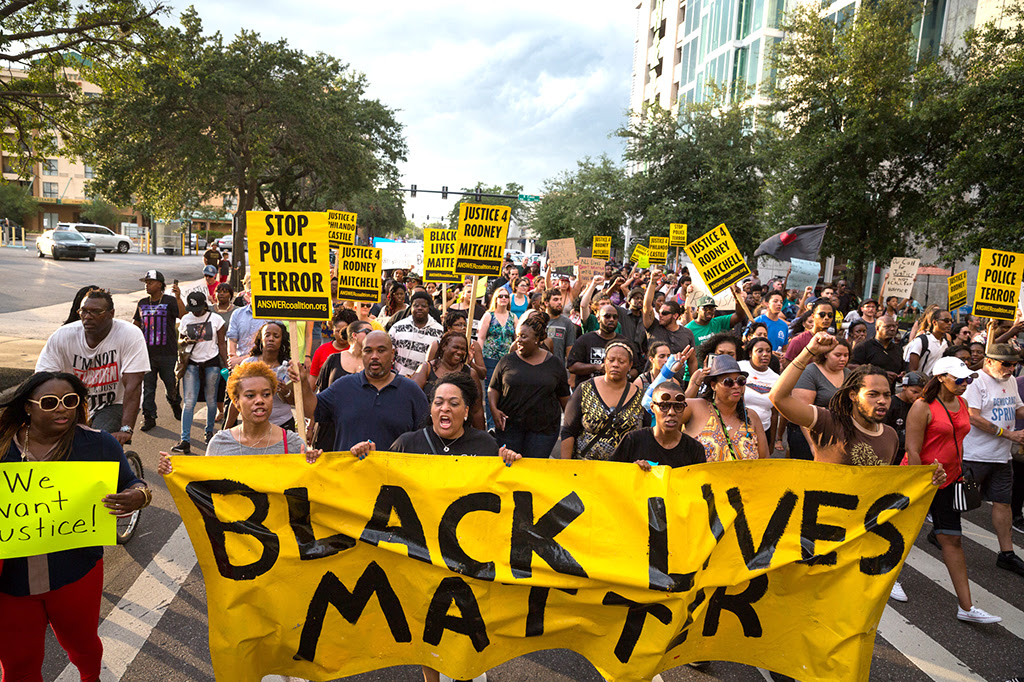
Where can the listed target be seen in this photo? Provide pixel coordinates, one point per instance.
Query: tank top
(518, 309)
(432, 377)
(716, 443)
(939, 445)
(499, 337)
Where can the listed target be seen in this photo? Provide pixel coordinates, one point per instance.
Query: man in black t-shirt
(665, 444)
(587, 355)
(882, 350)
(910, 390)
(157, 317)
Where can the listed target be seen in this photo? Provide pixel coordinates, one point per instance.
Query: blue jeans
(490, 364)
(160, 367)
(190, 389)
(527, 443)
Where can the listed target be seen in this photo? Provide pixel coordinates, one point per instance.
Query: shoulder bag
(185, 354)
(608, 422)
(966, 491)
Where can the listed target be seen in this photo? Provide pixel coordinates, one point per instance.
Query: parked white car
(225, 243)
(104, 238)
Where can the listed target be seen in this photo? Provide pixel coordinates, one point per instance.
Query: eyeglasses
(944, 319)
(730, 382)
(49, 403)
(670, 406)
(89, 312)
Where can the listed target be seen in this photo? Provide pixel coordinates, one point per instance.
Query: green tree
(703, 168)
(48, 41)
(409, 231)
(582, 204)
(17, 202)
(854, 150)
(101, 212)
(380, 212)
(512, 190)
(978, 198)
(272, 125)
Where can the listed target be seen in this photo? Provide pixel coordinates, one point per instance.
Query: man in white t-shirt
(109, 356)
(924, 351)
(413, 335)
(995, 406)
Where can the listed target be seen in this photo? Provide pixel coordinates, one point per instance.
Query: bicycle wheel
(126, 525)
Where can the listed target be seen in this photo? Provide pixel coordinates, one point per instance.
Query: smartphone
(175, 282)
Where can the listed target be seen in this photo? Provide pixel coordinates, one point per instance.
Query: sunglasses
(49, 403)
(1008, 365)
(670, 405)
(966, 380)
(89, 312)
(824, 314)
(730, 382)
(665, 312)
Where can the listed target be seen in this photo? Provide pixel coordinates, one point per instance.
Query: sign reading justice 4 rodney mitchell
(290, 265)
(481, 239)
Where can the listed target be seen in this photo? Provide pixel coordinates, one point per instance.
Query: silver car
(103, 237)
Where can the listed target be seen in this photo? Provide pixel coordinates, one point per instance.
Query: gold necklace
(257, 446)
(25, 449)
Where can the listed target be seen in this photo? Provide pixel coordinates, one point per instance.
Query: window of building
(50, 221)
(49, 166)
(50, 190)
(90, 172)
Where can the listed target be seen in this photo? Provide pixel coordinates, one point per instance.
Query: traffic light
(412, 191)
(444, 192)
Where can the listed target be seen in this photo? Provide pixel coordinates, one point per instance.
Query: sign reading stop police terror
(341, 228)
(481, 239)
(718, 259)
(359, 273)
(677, 234)
(999, 279)
(290, 265)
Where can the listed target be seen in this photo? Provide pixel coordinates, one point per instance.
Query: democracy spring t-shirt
(998, 402)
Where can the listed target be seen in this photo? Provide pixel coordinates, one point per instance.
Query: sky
(488, 92)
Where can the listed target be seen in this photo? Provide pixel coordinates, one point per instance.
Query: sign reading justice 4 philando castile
(290, 266)
(481, 239)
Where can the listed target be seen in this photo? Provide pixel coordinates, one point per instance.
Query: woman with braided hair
(451, 358)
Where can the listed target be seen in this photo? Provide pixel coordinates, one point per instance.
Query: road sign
(529, 197)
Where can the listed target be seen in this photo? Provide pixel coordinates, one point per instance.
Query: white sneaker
(976, 615)
(928, 518)
(897, 592)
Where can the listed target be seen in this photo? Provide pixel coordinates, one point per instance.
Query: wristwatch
(127, 429)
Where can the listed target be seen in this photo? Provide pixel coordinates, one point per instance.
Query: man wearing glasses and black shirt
(881, 351)
(587, 355)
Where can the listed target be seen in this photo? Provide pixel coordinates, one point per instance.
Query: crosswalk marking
(986, 539)
(126, 629)
(923, 651)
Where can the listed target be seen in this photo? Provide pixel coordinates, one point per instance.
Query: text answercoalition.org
(278, 304)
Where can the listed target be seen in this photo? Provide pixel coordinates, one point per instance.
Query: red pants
(73, 611)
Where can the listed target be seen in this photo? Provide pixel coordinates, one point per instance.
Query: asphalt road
(28, 281)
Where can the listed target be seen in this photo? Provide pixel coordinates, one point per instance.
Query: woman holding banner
(45, 421)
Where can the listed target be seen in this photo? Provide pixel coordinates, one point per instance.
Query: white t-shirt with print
(101, 369)
(202, 329)
(935, 350)
(998, 402)
(755, 396)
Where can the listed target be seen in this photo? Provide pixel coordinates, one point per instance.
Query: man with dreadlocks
(852, 429)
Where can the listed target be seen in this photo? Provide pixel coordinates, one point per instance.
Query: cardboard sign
(341, 228)
(639, 251)
(718, 259)
(462, 564)
(802, 274)
(658, 250)
(561, 252)
(289, 261)
(439, 256)
(677, 234)
(53, 506)
(902, 274)
(402, 255)
(957, 290)
(359, 273)
(480, 243)
(999, 281)
(588, 269)
(602, 248)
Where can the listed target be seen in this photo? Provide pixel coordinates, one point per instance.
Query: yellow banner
(718, 259)
(999, 277)
(359, 273)
(289, 260)
(639, 251)
(341, 228)
(658, 248)
(52, 506)
(481, 239)
(461, 563)
(601, 248)
(439, 256)
(957, 290)
(677, 234)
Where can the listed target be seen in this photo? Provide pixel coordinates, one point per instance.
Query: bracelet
(147, 494)
(999, 433)
(798, 365)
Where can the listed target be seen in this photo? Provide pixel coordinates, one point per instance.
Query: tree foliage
(16, 202)
(50, 40)
(380, 212)
(582, 204)
(703, 168)
(101, 212)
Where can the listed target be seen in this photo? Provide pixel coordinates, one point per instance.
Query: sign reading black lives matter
(439, 255)
(290, 265)
(359, 273)
(481, 239)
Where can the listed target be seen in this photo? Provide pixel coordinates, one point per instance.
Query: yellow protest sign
(677, 234)
(359, 273)
(957, 290)
(461, 563)
(639, 251)
(341, 228)
(658, 250)
(602, 248)
(439, 256)
(998, 288)
(289, 261)
(52, 506)
(481, 239)
(717, 258)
